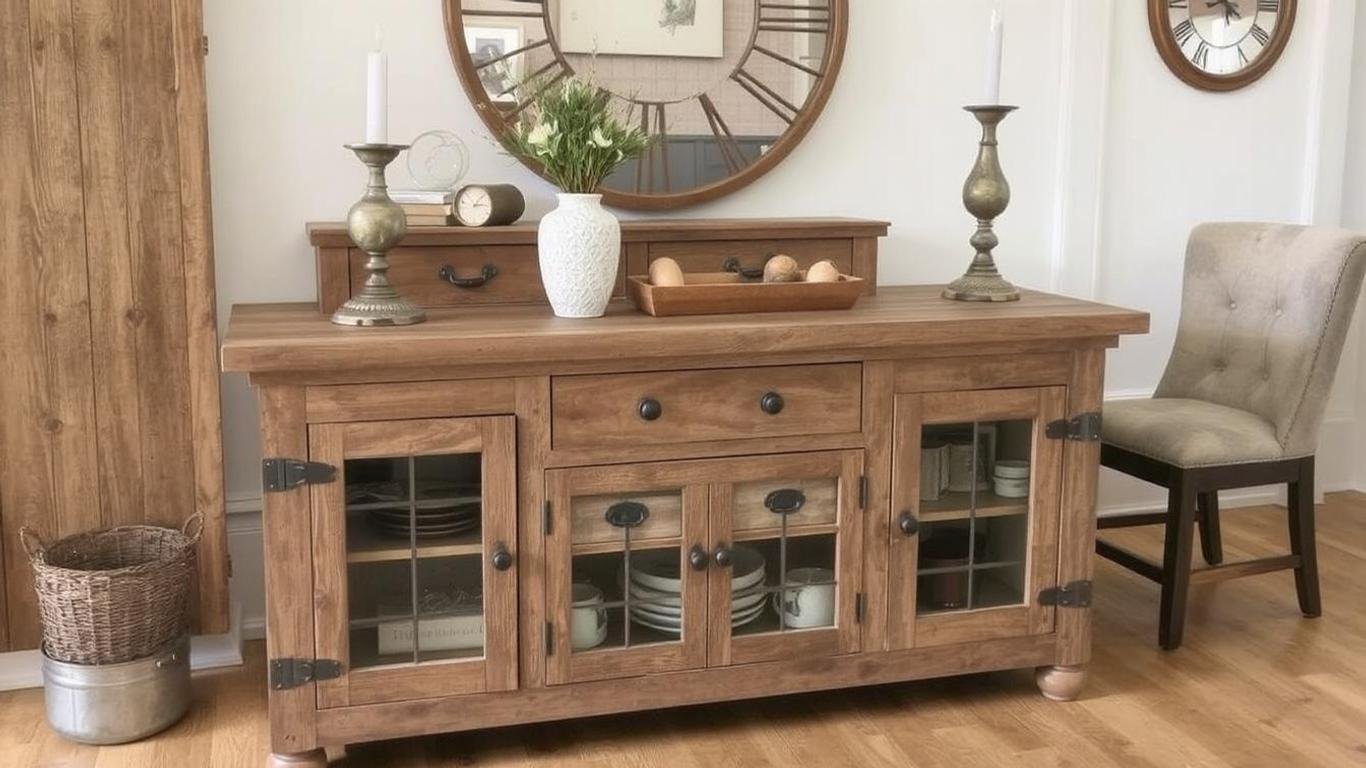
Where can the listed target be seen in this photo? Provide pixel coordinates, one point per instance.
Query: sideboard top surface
(289, 338)
(334, 235)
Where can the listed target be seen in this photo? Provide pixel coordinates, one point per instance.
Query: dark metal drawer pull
(650, 409)
(627, 514)
(785, 501)
(732, 264)
(502, 558)
(771, 403)
(698, 558)
(447, 273)
(908, 524)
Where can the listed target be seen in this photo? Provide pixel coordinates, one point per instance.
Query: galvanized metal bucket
(118, 703)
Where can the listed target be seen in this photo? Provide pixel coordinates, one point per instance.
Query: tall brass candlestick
(986, 195)
(376, 224)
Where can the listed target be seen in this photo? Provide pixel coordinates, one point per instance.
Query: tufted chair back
(1264, 315)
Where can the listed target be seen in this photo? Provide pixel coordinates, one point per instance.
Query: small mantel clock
(1221, 45)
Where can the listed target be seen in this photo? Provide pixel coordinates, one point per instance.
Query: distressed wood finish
(699, 245)
(112, 412)
(856, 385)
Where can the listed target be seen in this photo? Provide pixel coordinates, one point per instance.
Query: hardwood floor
(1254, 685)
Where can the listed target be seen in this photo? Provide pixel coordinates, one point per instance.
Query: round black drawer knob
(771, 403)
(908, 524)
(650, 409)
(724, 557)
(502, 559)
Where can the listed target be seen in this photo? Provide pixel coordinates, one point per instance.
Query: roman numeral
(1243, 56)
(1260, 35)
(1269, 6)
(1184, 31)
(1201, 57)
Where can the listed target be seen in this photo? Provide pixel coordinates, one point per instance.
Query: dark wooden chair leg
(1176, 560)
(1211, 539)
(1301, 504)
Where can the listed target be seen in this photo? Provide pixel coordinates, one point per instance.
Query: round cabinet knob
(650, 409)
(724, 557)
(698, 559)
(908, 524)
(771, 403)
(502, 559)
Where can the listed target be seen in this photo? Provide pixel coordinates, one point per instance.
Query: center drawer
(622, 410)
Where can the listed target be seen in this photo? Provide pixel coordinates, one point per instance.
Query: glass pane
(414, 559)
(975, 499)
(619, 535)
(783, 584)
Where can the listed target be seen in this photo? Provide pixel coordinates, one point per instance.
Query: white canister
(1011, 479)
(810, 598)
(588, 622)
(579, 244)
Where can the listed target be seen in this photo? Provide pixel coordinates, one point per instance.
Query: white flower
(600, 139)
(541, 134)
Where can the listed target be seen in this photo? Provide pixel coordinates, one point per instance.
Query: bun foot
(1060, 683)
(313, 758)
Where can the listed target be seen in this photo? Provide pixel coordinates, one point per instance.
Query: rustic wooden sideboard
(502, 517)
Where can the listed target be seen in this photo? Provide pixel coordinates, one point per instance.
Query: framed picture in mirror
(726, 89)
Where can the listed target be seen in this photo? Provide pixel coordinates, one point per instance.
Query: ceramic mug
(809, 600)
(588, 625)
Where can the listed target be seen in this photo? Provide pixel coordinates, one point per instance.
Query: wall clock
(1221, 45)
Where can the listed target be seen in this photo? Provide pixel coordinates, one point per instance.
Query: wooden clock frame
(1182, 67)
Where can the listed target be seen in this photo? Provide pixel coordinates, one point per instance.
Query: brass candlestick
(376, 224)
(986, 195)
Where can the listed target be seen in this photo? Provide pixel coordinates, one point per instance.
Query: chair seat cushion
(1189, 433)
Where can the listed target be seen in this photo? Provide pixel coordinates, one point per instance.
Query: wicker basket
(107, 597)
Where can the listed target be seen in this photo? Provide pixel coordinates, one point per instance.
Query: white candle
(377, 96)
(995, 42)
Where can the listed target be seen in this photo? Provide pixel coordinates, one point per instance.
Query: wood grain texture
(417, 400)
(533, 443)
(700, 406)
(332, 265)
(1077, 534)
(724, 293)
(878, 405)
(1254, 685)
(293, 338)
(116, 419)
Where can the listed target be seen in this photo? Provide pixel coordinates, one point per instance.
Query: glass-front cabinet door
(415, 555)
(976, 504)
(626, 577)
(787, 534)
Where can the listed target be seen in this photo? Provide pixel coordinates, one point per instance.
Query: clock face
(1221, 44)
(474, 207)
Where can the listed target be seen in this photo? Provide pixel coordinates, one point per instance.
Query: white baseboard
(24, 669)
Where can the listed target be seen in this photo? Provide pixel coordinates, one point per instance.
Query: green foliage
(571, 132)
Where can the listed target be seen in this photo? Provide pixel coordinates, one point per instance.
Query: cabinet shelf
(365, 545)
(793, 532)
(956, 505)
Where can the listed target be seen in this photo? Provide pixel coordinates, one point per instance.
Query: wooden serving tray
(722, 293)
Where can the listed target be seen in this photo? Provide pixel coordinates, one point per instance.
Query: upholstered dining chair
(1264, 314)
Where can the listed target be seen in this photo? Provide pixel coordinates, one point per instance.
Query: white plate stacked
(442, 509)
(655, 578)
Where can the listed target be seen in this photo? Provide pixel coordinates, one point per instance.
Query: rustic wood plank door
(415, 558)
(976, 505)
(110, 405)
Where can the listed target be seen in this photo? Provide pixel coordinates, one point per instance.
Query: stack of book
(425, 208)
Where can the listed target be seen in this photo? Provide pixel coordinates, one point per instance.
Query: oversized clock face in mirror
(1221, 44)
(727, 88)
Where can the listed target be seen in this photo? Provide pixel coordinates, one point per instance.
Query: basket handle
(32, 543)
(193, 527)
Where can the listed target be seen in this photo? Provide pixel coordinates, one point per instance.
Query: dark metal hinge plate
(546, 525)
(549, 639)
(863, 492)
(278, 475)
(1076, 594)
(860, 604)
(1084, 428)
(292, 673)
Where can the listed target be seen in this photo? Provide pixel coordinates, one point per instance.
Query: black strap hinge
(1084, 428)
(279, 475)
(292, 673)
(859, 607)
(863, 492)
(1076, 594)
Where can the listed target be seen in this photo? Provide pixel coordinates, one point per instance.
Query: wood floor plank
(1254, 685)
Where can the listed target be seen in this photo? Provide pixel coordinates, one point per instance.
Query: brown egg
(823, 272)
(665, 272)
(782, 269)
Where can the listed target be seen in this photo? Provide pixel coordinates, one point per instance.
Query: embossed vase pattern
(579, 245)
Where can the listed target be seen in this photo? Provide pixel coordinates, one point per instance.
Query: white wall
(1354, 215)
(1111, 159)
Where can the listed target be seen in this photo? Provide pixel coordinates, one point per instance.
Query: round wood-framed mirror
(727, 87)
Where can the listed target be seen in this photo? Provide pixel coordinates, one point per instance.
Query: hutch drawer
(450, 276)
(623, 410)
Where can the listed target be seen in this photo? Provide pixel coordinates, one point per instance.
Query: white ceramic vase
(579, 245)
